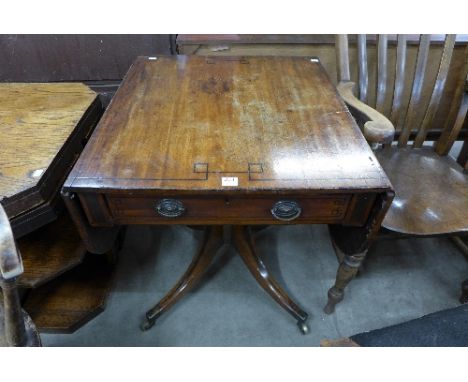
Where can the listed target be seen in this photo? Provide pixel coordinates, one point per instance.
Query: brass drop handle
(286, 210)
(170, 208)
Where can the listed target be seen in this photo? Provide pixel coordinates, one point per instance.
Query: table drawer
(227, 210)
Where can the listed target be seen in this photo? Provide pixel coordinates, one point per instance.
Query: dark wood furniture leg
(347, 270)
(461, 244)
(212, 241)
(244, 243)
(463, 247)
(351, 245)
(98, 240)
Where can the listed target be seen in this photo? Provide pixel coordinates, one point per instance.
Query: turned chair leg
(347, 270)
(461, 244)
(212, 241)
(463, 247)
(244, 244)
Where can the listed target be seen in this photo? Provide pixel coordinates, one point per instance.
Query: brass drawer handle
(286, 210)
(170, 208)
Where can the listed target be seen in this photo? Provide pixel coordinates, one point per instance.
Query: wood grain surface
(68, 302)
(181, 123)
(210, 210)
(363, 64)
(431, 192)
(50, 251)
(36, 121)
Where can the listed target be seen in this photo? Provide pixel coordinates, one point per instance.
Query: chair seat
(431, 192)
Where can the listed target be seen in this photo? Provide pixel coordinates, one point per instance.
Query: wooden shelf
(50, 251)
(67, 303)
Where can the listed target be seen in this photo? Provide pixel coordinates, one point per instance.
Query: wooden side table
(43, 128)
(229, 141)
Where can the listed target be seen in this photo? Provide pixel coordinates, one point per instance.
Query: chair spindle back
(406, 114)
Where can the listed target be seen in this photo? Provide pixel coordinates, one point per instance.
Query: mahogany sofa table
(229, 141)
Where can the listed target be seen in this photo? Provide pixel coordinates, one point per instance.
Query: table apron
(108, 210)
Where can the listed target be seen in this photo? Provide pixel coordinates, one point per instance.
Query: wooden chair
(16, 327)
(431, 187)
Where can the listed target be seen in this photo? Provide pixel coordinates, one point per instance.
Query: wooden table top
(183, 123)
(35, 122)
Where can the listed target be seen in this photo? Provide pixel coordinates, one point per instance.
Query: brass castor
(303, 327)
(147, 325)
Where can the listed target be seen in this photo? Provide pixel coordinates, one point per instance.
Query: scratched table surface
(35, 122)
(183, 123)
